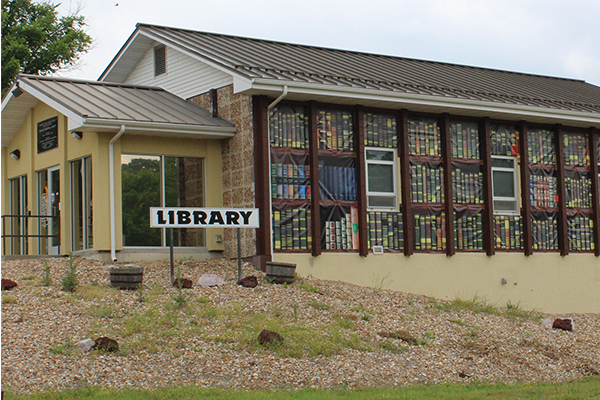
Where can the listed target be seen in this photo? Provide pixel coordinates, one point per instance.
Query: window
(81, 192)
(381, 179)
(159, 181)
(504, 185)
(18, 208)
(160, 60)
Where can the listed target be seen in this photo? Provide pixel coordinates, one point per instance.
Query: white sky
(545, 37)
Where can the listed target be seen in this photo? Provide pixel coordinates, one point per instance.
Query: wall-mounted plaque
(47, 134)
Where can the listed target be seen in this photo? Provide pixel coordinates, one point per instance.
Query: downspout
(111, 177)
(269, 107)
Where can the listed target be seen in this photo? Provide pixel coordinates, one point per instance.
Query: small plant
(392, 348)
(180, 298)
(308, 288)
(61, 348)
(46, 280)
(203, 300)
(69, 281)
(9, 299)
(319, 305)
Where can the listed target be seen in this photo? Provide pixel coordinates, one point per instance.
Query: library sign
(184, 217)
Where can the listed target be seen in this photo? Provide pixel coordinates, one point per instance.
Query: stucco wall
(544, 281)
(238, 162)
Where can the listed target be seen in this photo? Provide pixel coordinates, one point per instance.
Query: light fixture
(17, 92)
(77, 134)
(16, 154)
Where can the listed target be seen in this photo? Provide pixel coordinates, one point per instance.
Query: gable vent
(160, 60)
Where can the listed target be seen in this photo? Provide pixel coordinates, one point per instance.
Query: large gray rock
(208, 280)
(85, 345)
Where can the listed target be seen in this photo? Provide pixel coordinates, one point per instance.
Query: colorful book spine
(380, 130)
(465, 140)
(540, 147)
(507, 232)
(291, 229)
(544, 232)
(578, 191)
(342, 233)
(581, 233)
(503, 140)
(467, 187)
(426, 183)
(576, 150)
(468, 232)
(430, 234)
(288, 127)
(290, 181)
(424, 137)
(543, 191)
(386, 229)
(335, 129)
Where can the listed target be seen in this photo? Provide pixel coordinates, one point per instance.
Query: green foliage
(61, 348)
(46, 280)
(586, 388)
(319, 305)
(69, 281)
(476, 305)
(35, 40)
(9, 299)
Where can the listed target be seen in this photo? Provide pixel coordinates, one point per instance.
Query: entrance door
(54, 209)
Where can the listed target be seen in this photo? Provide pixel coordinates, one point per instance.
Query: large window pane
(141, 182)
(77, 204)
(381, 178)
(504, 184)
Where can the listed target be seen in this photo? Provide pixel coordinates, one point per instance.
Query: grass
(9, 299)
(69, 281)
(585, 388)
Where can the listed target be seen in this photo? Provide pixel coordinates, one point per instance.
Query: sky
(545, 37)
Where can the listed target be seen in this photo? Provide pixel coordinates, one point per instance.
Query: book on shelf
(465, 140)
(288, 127)
(426, 183)
(430, 234)
(578, 191)
(581, 233)
(467, 187)
(507, 232)
(337, 183)
(290, 181)
(385, 229)
(424, 137)
(291, 229)
(341, 230)
(503, 140)
(541, 147)
(335, 129)
(576, 150)
(468, 232)
(380, 130)
(544, 231)
(543, 191)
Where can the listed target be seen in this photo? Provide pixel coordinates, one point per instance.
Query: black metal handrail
(26, 235)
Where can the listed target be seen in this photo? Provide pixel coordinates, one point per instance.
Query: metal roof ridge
(388, 56)
(89, 82)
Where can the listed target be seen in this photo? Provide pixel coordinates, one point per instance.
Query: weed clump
(69, 281)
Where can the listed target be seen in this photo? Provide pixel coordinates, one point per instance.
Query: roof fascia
(158, 129)
(221, 67)
(120, 54)
(262, 85)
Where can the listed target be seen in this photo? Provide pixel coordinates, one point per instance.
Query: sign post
(194, 217)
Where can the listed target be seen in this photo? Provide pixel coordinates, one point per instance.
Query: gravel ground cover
(207, 336)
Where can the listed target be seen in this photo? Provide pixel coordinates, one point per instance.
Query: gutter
(269, 107)
(111, 177)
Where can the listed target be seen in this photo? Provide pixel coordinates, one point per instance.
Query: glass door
(54, 209)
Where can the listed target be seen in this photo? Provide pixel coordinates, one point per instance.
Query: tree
(36, 41)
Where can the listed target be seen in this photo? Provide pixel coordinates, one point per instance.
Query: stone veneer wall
(238, 162)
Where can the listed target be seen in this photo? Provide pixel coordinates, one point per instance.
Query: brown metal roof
(263, 59)
(104, 106)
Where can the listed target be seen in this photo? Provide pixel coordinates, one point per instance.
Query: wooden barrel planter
(281, 272)
(126, 277)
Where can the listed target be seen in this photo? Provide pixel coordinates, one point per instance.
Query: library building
(439, 179)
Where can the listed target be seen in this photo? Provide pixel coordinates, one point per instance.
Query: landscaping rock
(8, 284)
(183, 282)
(85, 345)
(106, 344)
(248, 281)
(565, 324)
(208, 280)
(269, 337)
(547, 323)
(401, 334)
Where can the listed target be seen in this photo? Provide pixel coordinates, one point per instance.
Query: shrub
(69, 281)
